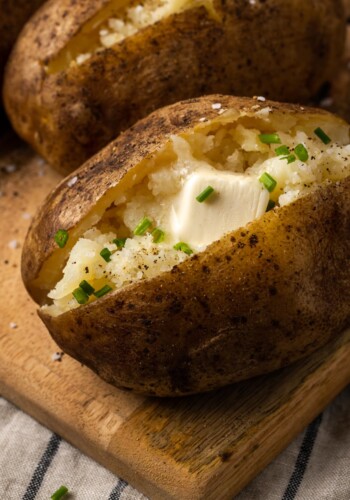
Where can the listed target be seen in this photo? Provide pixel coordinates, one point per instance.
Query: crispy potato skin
(258, 299)
(14, 14)
(69, 116)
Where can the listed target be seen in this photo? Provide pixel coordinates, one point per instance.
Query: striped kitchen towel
(34, 463)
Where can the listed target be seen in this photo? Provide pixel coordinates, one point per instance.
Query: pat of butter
(237, 200)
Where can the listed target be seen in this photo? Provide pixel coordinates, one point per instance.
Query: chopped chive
(106, 254)
(183, 247)
(205, 194)
(301, 152)
(289, 158)
(80, 296)
(322, 135)
(61, 238)
(100, 293)
(120, 242)
(142, 226)
(63, 490)
(271, 204)
(87, 288)
(282, 150)
(270, 138)
(268, 181)
(158, 235)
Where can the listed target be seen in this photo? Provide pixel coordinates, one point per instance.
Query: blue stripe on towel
(42, 467)
(118, 490)
(302, 460)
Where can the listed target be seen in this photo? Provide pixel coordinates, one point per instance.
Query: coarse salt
(216, 105)
(327, 102)
(10, 168)
(13, 244)
(72, 181)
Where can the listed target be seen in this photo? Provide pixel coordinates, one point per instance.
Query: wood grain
(200, 447)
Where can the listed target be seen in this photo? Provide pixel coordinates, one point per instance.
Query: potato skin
(14, 14)
(255, 301)
(69, 116)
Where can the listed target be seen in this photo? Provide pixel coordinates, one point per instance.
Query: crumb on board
(26, 216)
(57, 356)
(13, 325)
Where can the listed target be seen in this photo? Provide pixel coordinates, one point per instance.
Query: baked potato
(162, 264)
(14, 15)
(75, 81)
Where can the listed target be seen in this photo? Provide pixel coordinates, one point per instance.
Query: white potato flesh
(230, 157)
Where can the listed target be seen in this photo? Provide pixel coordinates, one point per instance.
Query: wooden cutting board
(204, 447)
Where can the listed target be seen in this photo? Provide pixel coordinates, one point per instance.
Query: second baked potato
(157, 266)
(14, 14)
(84, 71)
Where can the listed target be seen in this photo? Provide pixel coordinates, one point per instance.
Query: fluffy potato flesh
(116, 21)
(250, 164)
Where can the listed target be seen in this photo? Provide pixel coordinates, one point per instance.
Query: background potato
(14, 14)
(258, 299)
(283, 49)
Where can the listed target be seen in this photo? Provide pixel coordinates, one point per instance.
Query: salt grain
(13, 325)
(72, 181)
(216, 105)
(327, 102)
(13, 244)
(10, 168)
(261, 98)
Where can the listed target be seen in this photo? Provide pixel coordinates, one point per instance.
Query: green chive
(142, 226)
(87, 288)
(100, 293)
(106, 254)
(63, 490)
(271, 204)
(80, 296)
(61, 237)
(322, 135)
(270, 138)
(205, 194)
(120, 242)
(158, 235)
(268, 181)
(289, 158)
(282, 150)
(301, 152)
(183, 247)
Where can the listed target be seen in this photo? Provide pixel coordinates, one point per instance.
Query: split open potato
(82, 72)
(207, 244)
